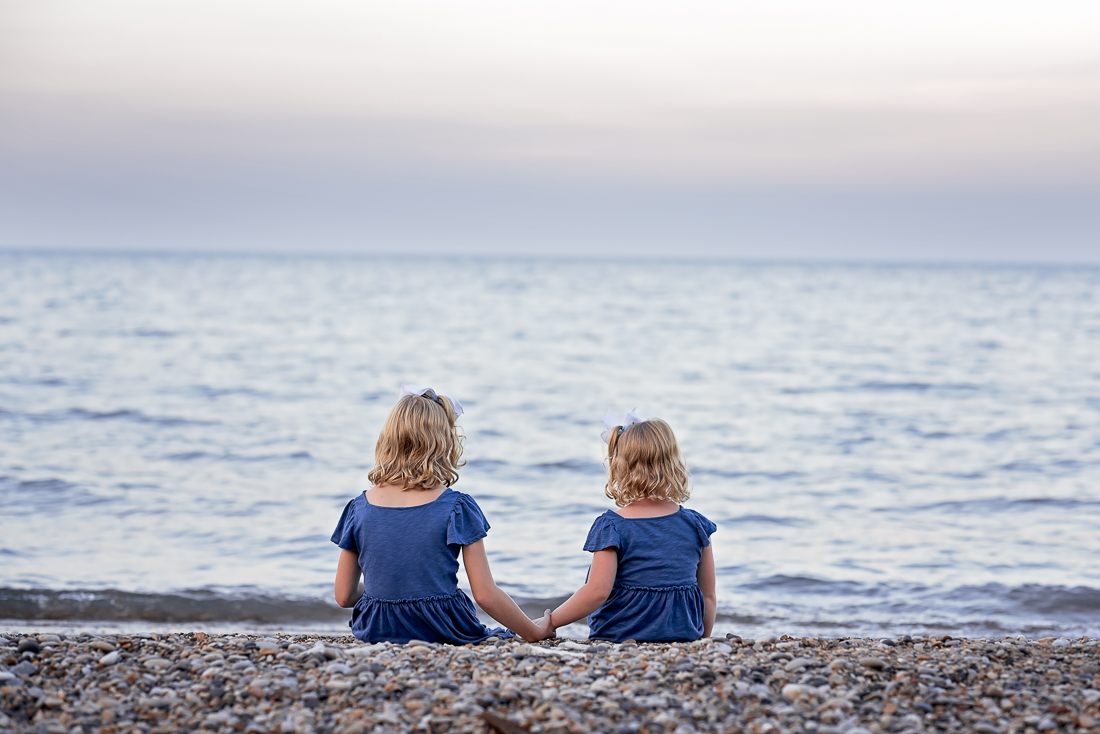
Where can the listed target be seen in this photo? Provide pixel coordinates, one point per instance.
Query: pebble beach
(146, 683)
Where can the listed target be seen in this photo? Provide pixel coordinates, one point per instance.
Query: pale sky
(896, 130)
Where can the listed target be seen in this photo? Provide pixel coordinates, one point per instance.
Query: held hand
(546, 628)
(543, 628)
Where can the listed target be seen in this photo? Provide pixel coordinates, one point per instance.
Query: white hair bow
(611, 421)
(427, 392)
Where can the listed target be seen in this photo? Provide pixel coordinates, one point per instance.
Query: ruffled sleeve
(344, 535)
(467, 524)
(703, 526)
(602, 535)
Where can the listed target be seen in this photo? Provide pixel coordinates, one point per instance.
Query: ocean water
(883, 448)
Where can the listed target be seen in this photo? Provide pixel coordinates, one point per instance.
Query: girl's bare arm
(705, 576)
(588, 598)
(494, 600)
(346, 589)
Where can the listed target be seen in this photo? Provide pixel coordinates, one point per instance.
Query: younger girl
(652, 574)
(405, 532)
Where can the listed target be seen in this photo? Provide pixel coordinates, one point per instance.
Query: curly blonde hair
(420, 446)
(644, 462)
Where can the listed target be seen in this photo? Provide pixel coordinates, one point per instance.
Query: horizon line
(640, 258)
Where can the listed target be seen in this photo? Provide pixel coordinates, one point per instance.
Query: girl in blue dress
(652, 574)
(404, 534)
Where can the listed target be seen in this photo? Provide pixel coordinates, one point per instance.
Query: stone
(109, 659)
(796, 692)
(29, 645)
(267, 646)
(873, 663)
(799, 664)
(24, 669)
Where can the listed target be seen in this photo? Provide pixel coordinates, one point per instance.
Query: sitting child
(652, 574)
(404, 535)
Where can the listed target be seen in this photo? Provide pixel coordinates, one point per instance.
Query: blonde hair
(420, 446)
(644, 462)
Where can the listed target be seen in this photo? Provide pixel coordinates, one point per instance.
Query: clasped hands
(545, 627)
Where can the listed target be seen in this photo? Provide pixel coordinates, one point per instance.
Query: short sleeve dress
(409, 559)
(656, 597)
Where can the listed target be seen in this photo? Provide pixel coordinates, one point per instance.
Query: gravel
(142, 684)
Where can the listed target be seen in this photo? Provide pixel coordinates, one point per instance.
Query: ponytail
(612, 443)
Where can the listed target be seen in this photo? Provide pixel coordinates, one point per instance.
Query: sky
(853, 129)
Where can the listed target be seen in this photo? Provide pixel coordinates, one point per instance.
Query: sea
(886, 449)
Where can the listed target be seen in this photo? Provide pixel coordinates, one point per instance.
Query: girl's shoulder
(354, 507)
(454, 495)
(347, 527)
(460, 503)
(604, 532)
(466, 522)
(701, 523)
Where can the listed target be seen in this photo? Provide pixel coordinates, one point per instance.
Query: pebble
(28, 645)
(238, 684)
(799, 664)
(23, 669)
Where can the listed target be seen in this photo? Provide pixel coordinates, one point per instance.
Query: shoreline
(148, 682)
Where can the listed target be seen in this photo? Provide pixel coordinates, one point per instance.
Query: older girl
(404, 535)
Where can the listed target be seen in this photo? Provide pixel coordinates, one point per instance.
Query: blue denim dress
(656, 597)
(409, 559)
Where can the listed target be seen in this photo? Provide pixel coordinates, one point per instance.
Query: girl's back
(653, 551)
(656, 596)
(410, 553)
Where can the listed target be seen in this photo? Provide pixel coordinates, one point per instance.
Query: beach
(144, 683)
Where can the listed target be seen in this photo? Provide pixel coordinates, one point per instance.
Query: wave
(122, 414)
(31, 496)
(571, 465)
(194, 605)
(793, 522)
(207, 455)
(724, 474)
(112, 605)
(886, 386)
(776, 602)
(993, 605)
(997, 504)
